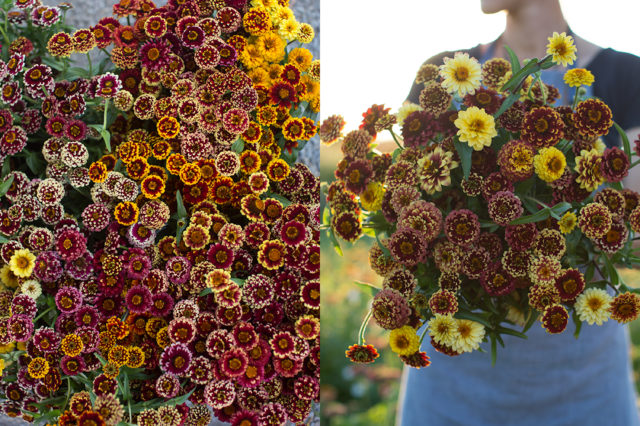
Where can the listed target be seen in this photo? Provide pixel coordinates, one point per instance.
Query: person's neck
(529, 26)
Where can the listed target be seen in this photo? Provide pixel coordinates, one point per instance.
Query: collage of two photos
(201, 225)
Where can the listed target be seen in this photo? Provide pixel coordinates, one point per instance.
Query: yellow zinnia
(38, 368)
(371, 198)
(578, 77)
(592, 306)
(8, 278)
(252, 57)
(470, 334)
(476, 127)
(22, 263)
(271, 46)
(461, 74)
(301, 58)
(404, 340)
(443, 329)
(562, 49)
(305, 33)
(568, 222)
(289, 29)
(549, 164)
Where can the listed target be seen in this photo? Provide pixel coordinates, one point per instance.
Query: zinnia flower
(554, 319)
(549, 164)
(476, 127)
(404, 340)
(593, 305)
(469, 335)
(461, 74)
(625, 307)
(578, 77)
(561, 48)
(22, 263)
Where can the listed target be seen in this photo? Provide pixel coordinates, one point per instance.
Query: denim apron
(546, 380)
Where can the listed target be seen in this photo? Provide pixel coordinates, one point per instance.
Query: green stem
(68, 393)
(363, 327)
(65, 67)
(535, 200)
(90, 67)
(4, 35)
(424, 333)
(104, 118)
(42, 314)
(575, 98)
(543, 89)
(395, 139)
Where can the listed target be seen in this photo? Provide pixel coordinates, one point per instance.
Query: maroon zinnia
(614, 165)
(555, 319)
(408, 246)
(390, 309)
(462, 227)
(176, 359)
(70, 244)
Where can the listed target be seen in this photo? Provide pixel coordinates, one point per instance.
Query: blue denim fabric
(546, 380)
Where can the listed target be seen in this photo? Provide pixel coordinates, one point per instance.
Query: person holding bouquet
(545, 380)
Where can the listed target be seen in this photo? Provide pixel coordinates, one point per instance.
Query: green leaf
(396, 152)
(536, 217)
(559, 209)
(4, 186)
(182, 211)
(494, 349)
(107, 138)
(506, 104)
(578, 324)
(283, 200)
(515, 63)
(515, 82)
(533, 316)
(625, 140)
(35, 164)
(616, 185)
(237, 146)
(590, 271)
(205, 292)
(334, 240)
(238, 281)
(6, 167)
(464, 152)
(369, 232)
(505, 330)
(367, 288)
(126, 390)
(157, 402)
(77, 72)
(473, 317)
(384, 250)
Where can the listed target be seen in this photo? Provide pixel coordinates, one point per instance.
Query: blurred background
(376, 64)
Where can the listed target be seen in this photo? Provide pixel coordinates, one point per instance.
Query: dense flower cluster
(500, 208)
(179, 267)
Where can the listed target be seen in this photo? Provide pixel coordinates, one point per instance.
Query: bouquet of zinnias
(499, 210)
(159, 243)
